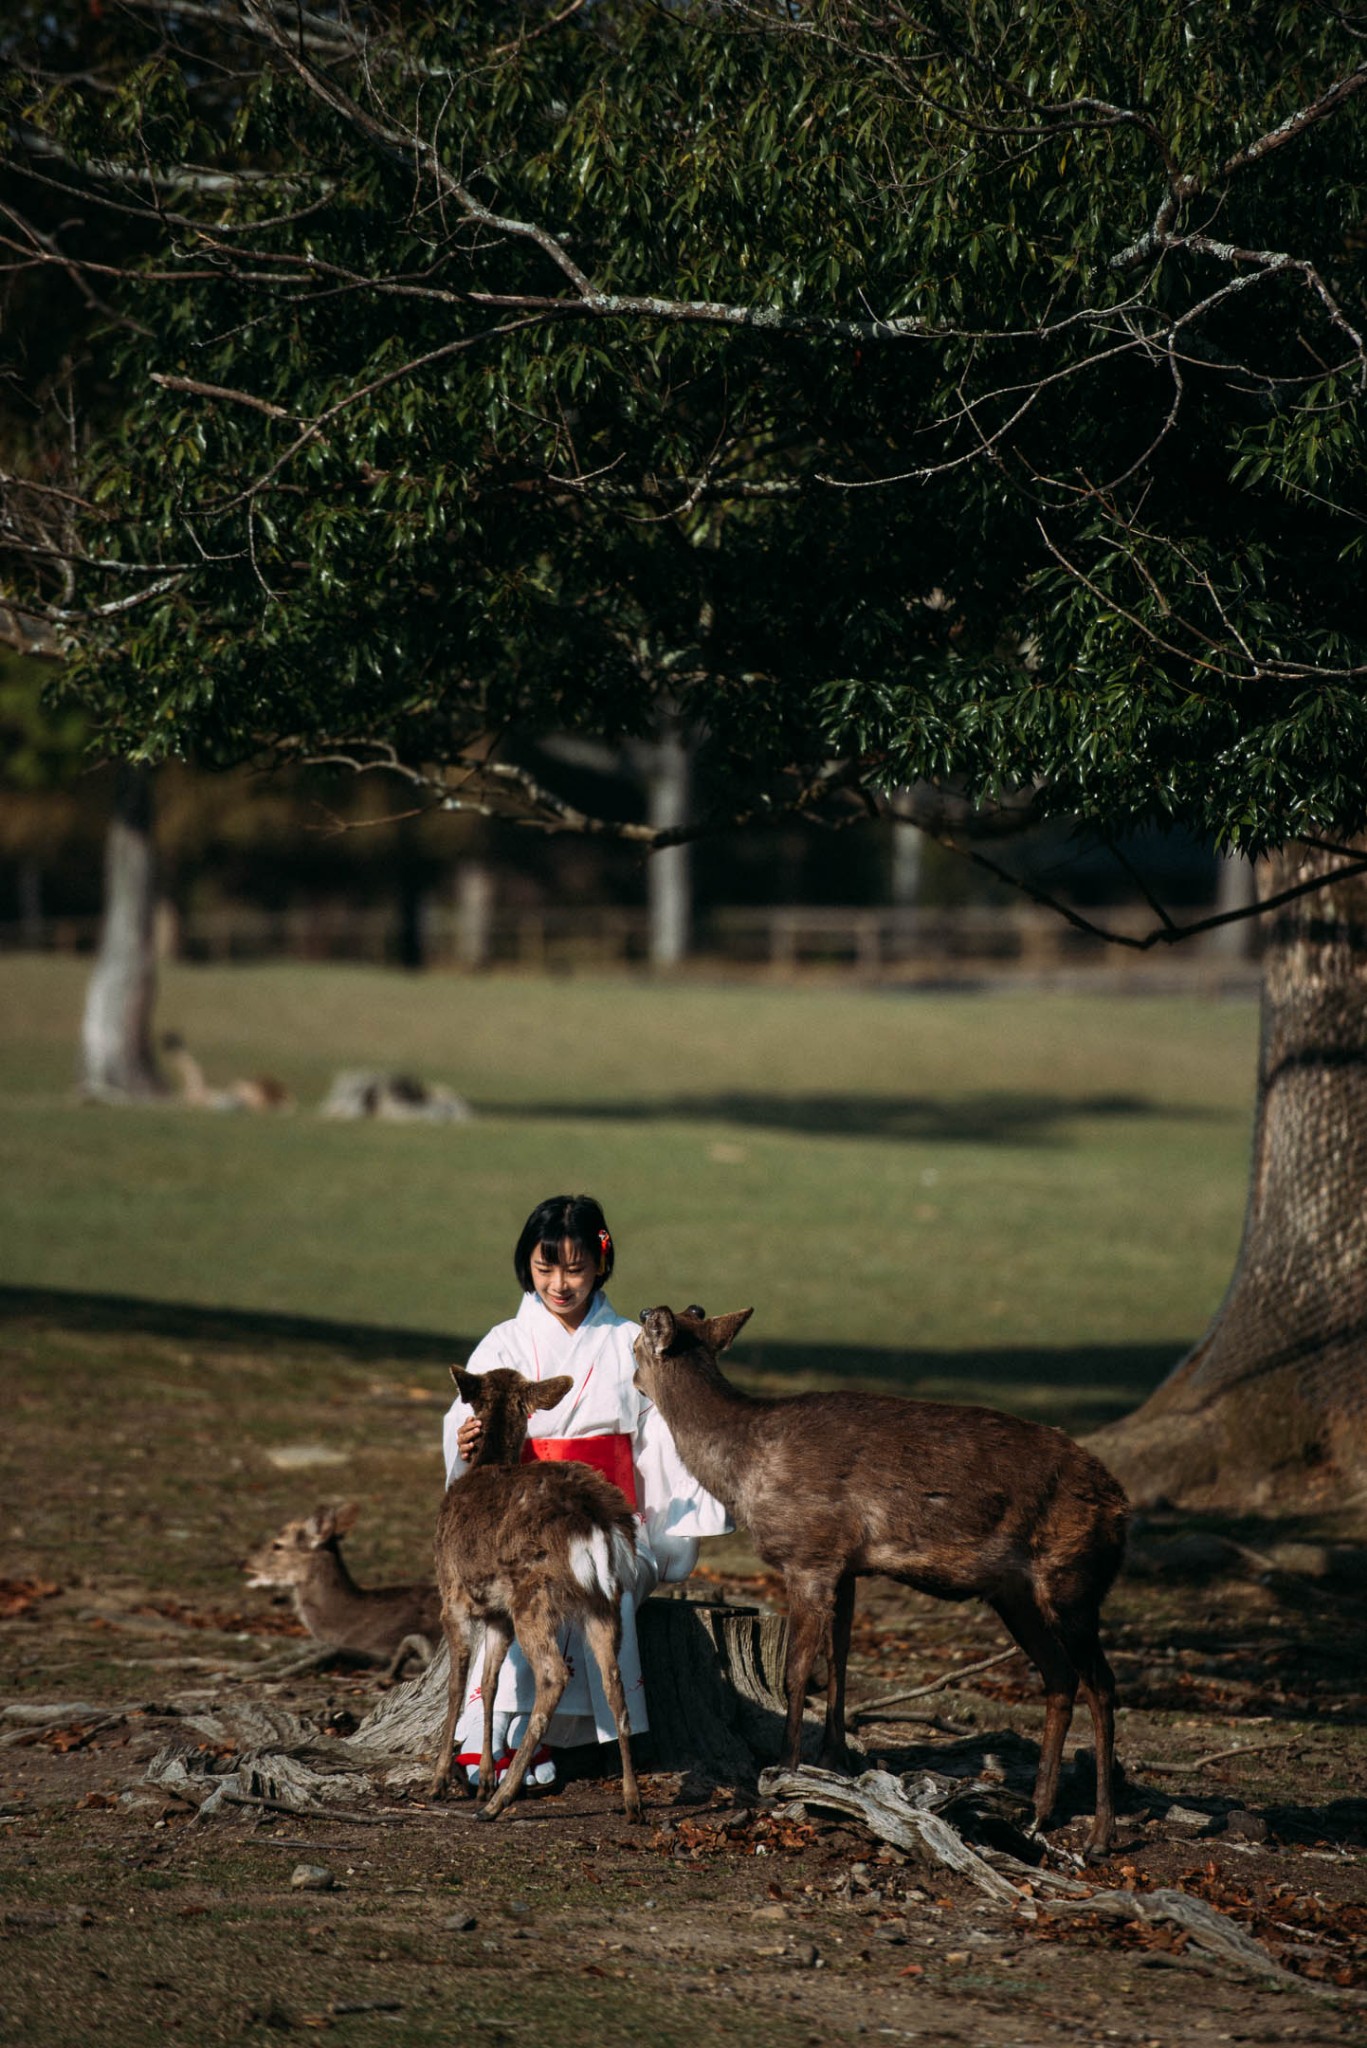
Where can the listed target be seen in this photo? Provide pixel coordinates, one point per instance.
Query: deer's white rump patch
(597, 1565)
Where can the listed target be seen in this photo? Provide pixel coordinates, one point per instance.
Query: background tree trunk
(669, 874)
(1269, 1412)
(116, 1033)
(1237, 890)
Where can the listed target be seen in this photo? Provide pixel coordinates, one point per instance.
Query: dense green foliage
(1000, 420)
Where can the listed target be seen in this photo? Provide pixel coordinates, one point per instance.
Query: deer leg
(536, 1630)
(834, 1753)
(497, 1642)
(411, 1646)
(1022, 1617)
(456, 1630)
(603, 1633)
(1097, 1683)
(809, 1630)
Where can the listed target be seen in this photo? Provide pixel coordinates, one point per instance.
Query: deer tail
(591, 1562)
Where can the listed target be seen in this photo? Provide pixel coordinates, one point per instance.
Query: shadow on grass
(188, 1322)
(990, 1118)
(1087, 1384)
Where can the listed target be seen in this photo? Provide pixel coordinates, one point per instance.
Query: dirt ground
(125, 1917)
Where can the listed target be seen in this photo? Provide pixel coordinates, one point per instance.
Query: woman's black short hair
(576, 1217)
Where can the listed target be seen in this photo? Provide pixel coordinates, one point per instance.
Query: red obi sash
(610, 1455)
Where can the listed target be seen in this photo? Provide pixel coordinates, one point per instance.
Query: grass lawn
(1026, 1198)
(1029, 1199)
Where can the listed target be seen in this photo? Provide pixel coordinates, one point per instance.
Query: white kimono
(672, 1510)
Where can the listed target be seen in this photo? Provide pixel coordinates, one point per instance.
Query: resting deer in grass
(257, 1092)
(957, 1502)
(385, 1624)
(521, 1548)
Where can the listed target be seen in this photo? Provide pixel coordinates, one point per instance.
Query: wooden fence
(903, 944)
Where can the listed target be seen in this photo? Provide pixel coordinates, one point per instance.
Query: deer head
(504, 1401)
(690, 1335)
(287, 1558)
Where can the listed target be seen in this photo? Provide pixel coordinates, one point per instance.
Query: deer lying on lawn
(385, 1624)
(522, 1548)
(957, 1502)
(258, 1092)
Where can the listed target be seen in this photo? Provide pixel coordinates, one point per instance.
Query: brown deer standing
(385, 1624)
(521, 1548)
(957, 1502)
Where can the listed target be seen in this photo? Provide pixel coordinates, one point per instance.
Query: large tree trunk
(116, 1034)
(1269, 1412)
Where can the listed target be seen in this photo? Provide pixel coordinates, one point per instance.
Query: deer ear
(467, 1384)
(659, 1326)
(720, 1331)
(549, 1393)
(345, 1517)
(320, 1528)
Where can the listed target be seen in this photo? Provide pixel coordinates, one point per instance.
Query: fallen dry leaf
(64, 1740)
(18, 1596)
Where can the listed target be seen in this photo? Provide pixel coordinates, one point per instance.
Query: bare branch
(1183, 189)
(224, 391)
(509, 792)
(314, 31)
(1168, 933)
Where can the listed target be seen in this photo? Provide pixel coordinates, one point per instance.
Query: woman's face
(565, 1284)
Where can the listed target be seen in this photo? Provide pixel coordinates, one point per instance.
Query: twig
(230, 1797)
(920, 1692)
(1218, 1755)
(935, 1721)
(29, 1737)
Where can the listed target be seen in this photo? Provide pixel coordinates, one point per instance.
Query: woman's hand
(469, 1437)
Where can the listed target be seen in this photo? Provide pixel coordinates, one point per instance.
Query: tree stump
(714, 1685)
(714, 1693)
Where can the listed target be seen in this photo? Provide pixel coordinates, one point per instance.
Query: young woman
(566, 1324)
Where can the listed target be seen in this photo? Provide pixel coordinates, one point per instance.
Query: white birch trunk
(117, 1061)
(670, 872)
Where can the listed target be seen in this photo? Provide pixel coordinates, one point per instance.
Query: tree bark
(1269, 1412)
(118, 1062)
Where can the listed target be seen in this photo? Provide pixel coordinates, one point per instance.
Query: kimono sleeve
(677, 1510)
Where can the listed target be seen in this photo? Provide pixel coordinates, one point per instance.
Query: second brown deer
(957, 1502)
(520, 1549)
(382, 1624)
